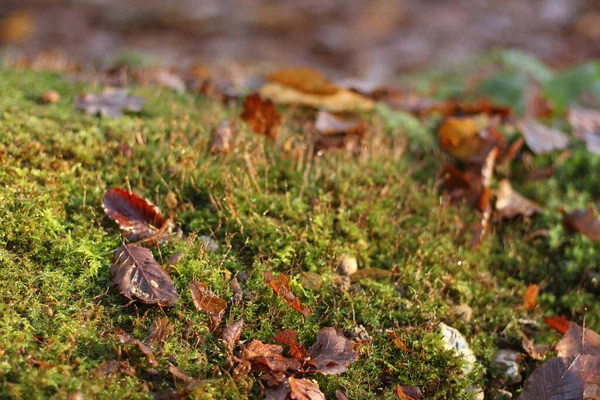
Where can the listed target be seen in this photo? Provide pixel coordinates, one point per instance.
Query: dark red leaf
(138, 218)
(281, 287)
(205, 300)
(584, 222)
(139, 276)
(332, 352)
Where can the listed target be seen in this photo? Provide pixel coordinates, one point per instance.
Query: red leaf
(262, 116)
(138, 218)
(561, 323)
(281, 287)
(288, 337)
(138, 275)
(332, 352)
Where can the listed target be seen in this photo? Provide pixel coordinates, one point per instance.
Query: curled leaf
(205, 300)
(281, 287)
(542, 139)
(231, 334)
(262, 116)
(139, 276)
(509, 203)
(409, 393)
(288, 337)
(295, 389)
(584, 222)
(137, 217)
(332, 353)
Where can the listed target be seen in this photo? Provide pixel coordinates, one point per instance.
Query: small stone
(455, 341)
(50, 97)
(463, 312)
(508, 361)
(310, 280)
(347, 266)
(210, 244)
(341, 283)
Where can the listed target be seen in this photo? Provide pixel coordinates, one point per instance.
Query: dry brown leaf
(159, 330)
(585, 222)
(281, 287)
(268, 357)
(205, 300)
(510, 204)
(231, 334)
(305, 80)
(222, 138)
(535, 351)
(114, 367)
(179, 374)
(146, 350)
(262, 116)
(530, 296)
(332, 352)
(578, 340)
(341, 101)
(469, 139)
(288, 337)
(139, 276)
(295, 389)
(409, 393)
(586, 126)
(540, 138)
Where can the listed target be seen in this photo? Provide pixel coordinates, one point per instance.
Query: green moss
(269, 211)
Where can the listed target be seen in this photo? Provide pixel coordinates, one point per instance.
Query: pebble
(347, 266)
(508, 361)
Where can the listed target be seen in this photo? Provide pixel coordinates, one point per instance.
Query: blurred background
(368, 38)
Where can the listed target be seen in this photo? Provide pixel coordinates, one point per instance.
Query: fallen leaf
(222, 138)
(231, 334)
(146, 350)
(535, 351)
(409, 393)
(262, 116)
(174, 259)
(162, 77)
(461, 186)
(469, 139)
(139, 276)
(510, 204)
(159, 330)
(335, 131)
(574, 374)
(179, 374)
(586, 126)
(584, 222)
(288, 337)
(397, 341)
(560, 324)
(137, 217)
(536, 106)
(295, 389)
(540, 138)
(268, 357)
(114, 367)
(305, 80)
(205, 300)
(339, 395)
(281, 287)
(109, 103)
(529, 299)
(332, 352)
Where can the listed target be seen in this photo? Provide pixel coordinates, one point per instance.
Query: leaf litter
(110, 103)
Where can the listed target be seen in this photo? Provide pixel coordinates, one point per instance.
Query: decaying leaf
(281, 287)
(574, 374)
(268, 357)
(584, 222)
(179, 374)
(109, 103)
(222, 138)
(461, 186)
(137, 217)
(295, 389)
(139, 276)
(146, 350)
(305, 80)
(529, 299)
(334, 131)
(289, 338)
(231, 334)
(332, 352)
(205, 300)
(409, 393)
(560, 324)
(162, 77)
(262, 116)
(542, 139)
(469, 138)
(510, 204)
(586, 126)
(159, 330)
